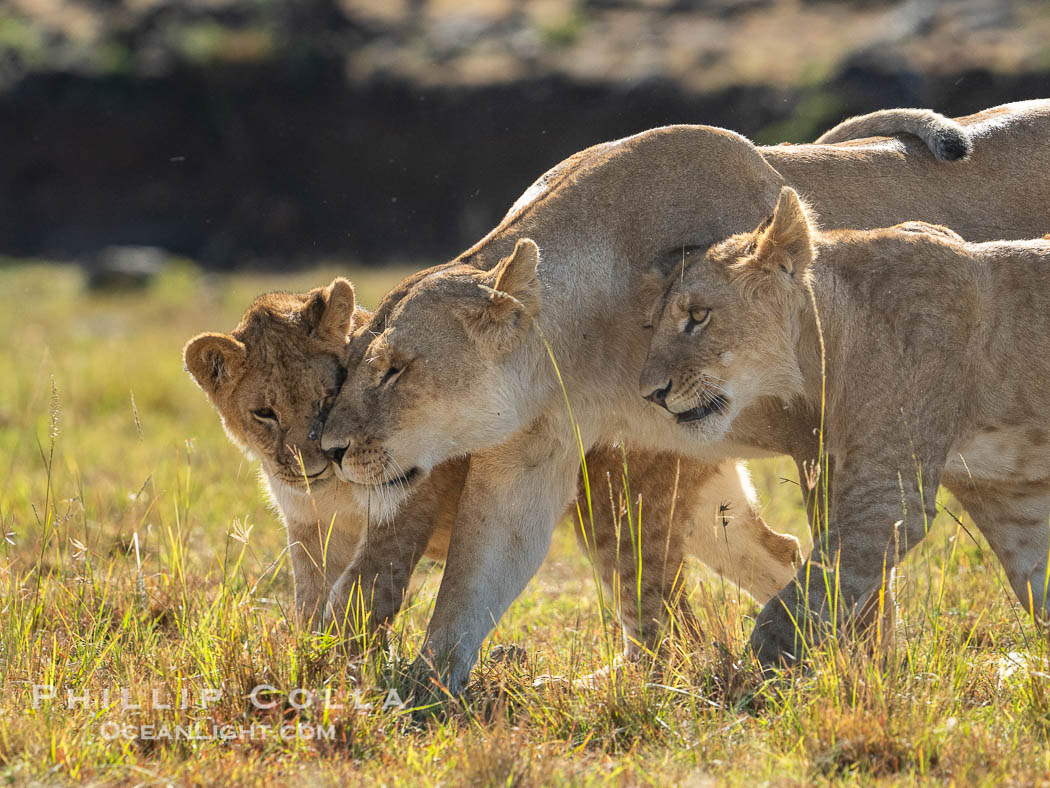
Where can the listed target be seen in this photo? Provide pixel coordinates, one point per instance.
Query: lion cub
(929, 354)
(272, 380)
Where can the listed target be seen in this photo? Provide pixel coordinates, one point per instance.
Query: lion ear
(515, 275)
(216, 361)
(508, 297)
(784, 241)
(338, 315)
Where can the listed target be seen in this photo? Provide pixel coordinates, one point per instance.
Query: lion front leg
(878, 617)
(319, 553)
(511, 502)
(876, 517)
(371, 590)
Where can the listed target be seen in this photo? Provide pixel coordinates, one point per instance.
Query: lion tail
(945, 138)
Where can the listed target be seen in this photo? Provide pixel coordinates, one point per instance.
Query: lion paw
(508, 655)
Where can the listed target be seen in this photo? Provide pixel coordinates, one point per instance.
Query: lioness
(457, 358)
(272, 381)
(936, 370)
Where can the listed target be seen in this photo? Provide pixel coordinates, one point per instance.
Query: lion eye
(698, 318)
(265, 415)
(324, 407)
(390, 375)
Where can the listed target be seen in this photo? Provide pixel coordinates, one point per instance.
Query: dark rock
(125, 268)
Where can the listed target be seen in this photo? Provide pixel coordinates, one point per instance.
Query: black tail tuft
(952, 144)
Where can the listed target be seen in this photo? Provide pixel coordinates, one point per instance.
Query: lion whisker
(401, 476)
(394, 465)
(708, 393)
(713, 378)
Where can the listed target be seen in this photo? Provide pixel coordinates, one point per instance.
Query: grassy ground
(138, 556)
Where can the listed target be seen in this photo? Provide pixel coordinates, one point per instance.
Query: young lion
(272, 380)
(935, 362)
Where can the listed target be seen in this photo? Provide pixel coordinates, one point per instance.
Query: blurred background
(289, 133)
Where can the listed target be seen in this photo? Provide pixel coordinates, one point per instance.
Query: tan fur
(936, 371)
(286, 357)
(643, 532)
(600, 219)
(343, 536)
(946, 139)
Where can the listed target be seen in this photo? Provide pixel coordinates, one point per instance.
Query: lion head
(727, 329)
(428, 379)
(274, 377)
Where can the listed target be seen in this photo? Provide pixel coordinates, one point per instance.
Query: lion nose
(659, 396)
(335, 454)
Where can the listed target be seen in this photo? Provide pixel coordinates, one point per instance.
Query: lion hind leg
(644, 585)
(669, 508)
(1017, 527)
(728, 534)
(636, 545)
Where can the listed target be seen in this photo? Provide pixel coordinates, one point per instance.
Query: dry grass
(139, 555)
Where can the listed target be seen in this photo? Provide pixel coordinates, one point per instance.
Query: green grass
(141, 555)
